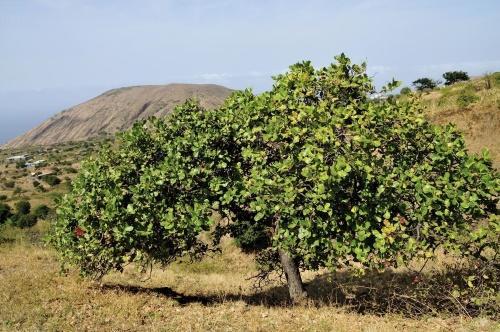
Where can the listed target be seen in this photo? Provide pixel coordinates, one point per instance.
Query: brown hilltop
(117, 110)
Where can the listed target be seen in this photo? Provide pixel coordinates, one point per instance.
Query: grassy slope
(214, 294)
(474, 109)
(200, 297)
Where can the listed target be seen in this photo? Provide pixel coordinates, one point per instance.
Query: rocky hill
(117, 110)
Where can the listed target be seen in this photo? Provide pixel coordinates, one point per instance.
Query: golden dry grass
(34, 296)
(479, 121)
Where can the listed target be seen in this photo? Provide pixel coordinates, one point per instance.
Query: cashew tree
(310, 174)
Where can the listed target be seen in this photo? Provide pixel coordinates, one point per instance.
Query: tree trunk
(292, 273)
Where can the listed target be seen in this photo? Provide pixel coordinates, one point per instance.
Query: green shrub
(36, 183)
(20, 164)
(24, 220)
(22, 207)
(51, 180)
(41, 211)
(5, 212)
(41, 189)
(3, 197)
(9, 184)
(70, 170)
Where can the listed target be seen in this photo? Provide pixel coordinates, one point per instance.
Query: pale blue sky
(56, 53)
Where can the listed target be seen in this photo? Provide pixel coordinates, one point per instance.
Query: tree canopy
(310, 174)
(425, 83)
(452, 77)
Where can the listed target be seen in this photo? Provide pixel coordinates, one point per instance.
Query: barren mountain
(117, 110)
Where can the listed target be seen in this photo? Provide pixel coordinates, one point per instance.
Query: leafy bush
(3, 197)
(452, 77)
(312, 174)
(465, 99)
(36, 183)
(51, 180)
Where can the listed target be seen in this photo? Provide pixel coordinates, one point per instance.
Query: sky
(58, 53)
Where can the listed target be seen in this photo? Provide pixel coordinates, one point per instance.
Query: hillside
(117, 110)
(474, 107)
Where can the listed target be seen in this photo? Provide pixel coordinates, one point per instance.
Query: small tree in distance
(425, 84)
(452, 77)
(405, 91)
(311, 174)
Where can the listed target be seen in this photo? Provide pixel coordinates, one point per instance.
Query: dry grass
(479, 120)
(34, 296)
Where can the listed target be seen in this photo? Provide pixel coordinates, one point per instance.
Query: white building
(15, 159)
(35, 163)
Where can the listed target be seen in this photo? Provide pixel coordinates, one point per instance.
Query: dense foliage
(452, 77)
(313, 168)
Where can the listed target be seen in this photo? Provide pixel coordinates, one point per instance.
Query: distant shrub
(52, 180)
(24, 220)
(36, 183)
(425, 83)
(41, 211)
(465, 99)
(17, 191)
(3, 197)
(70, 170)
(5, 212)
(405, 91)
(21, 164)
(452, 77)
(41, 189)
(9, 184)
(22, 207)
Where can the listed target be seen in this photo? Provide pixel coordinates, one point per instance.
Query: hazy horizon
(58, 53)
